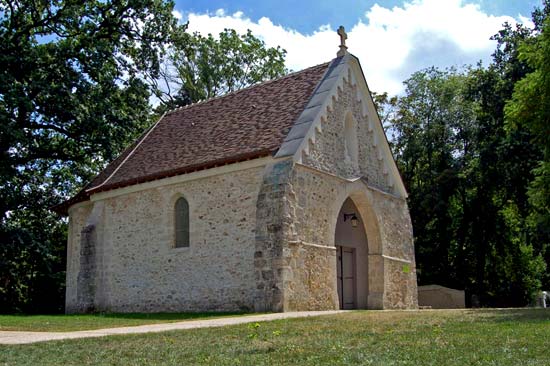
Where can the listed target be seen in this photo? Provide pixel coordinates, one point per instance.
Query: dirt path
(14, 337)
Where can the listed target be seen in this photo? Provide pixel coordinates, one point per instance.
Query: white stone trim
(352, 180)
(312, 245)
(353, 74)
(378, 190)
(316, 125)
(307, 167)
(249, 164)
(396, 259)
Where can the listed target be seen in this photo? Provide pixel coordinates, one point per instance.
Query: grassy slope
(59, 323)
(481, 337)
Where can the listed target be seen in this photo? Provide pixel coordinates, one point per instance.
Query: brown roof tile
(246, 124)
(243, 125)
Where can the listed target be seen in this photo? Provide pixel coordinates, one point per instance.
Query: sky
(391, 38)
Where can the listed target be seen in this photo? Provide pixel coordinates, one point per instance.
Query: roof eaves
(127, 157)
(185, 170)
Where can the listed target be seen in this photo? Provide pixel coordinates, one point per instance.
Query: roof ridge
(294, 73)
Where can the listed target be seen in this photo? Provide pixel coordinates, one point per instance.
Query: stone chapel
(282, 196)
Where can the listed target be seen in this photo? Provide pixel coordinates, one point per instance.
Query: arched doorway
(352, 257)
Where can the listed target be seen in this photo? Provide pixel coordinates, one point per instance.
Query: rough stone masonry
(262, 228)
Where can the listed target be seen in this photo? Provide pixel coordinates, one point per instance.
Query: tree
(467, 182)
(431, 130)
(199, 68)
(72, 95)
(528, 110)
(75, 88)
(468, 176)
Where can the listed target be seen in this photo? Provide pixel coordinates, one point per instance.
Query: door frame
(340, 279)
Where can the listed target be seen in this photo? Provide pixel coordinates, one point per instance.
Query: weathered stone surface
(391, 269)
(77, 222)
(318, 193)
(142, 271)
(400, 285)
(312, 272)
(88, 269)
(261, 238)
(328, 152)
(272, 234)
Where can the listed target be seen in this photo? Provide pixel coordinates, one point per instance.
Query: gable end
(343, 92)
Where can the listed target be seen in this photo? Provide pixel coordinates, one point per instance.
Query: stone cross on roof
(343, 36)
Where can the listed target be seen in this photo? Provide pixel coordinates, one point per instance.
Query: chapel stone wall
(311, 277)
(77, 223)
(400, 286)
(315, 199)
(327, 151)
(315, 192)
(139, 267)
(273, 233)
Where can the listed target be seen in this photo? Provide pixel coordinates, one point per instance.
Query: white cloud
(390, 43)
(177, 15)
(526, 21)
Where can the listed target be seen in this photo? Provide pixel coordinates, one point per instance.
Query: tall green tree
(529, 110)
(198, 67)
(72, 95)
(432, 133)
(467, 182)
(473, 180)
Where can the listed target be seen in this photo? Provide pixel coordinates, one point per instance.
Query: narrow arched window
(181, 212)
(350, 138)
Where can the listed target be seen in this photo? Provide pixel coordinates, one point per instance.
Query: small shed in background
(440, 297)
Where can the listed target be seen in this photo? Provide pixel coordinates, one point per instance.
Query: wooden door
(346, 277)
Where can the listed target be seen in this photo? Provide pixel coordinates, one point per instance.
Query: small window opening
(181, 212)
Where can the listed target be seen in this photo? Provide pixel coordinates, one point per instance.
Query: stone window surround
(172, 221)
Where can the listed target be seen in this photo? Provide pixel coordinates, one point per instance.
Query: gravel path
(14, 337)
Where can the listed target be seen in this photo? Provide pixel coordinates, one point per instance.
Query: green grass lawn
(65, 323)
(468, 337)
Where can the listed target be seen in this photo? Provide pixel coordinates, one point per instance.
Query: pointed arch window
(181, 220)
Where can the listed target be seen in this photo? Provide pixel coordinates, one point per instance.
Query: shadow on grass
(526, 315)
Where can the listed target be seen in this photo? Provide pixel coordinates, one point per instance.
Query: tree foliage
(529, 110)
(473, 181)
(198, 68)
(75, 88)
(71, 96)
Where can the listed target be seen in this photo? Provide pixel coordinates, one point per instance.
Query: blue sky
(391, 38)
(306, 16)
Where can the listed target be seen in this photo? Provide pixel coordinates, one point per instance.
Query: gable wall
(315, 199)
(326, 150)
(138, 268)
(324, 175)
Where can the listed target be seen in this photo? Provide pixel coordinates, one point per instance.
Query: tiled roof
(242, 125)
